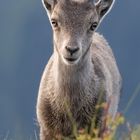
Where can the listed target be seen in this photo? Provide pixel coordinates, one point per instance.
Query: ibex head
(74, 23)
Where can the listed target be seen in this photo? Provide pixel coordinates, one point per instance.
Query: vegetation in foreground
(117, 129)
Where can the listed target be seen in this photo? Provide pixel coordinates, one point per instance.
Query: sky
(26, 45)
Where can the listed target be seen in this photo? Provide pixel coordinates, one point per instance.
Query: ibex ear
(103, 7)
(49, 4)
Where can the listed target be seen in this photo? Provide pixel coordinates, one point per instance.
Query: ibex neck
(73, 77)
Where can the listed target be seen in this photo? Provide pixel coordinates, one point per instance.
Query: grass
(112, 131)
(112, 126)
(108, 134)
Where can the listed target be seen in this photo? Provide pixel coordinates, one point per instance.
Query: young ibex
(82, 64)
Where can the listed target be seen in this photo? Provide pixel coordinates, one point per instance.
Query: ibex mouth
(71, 59)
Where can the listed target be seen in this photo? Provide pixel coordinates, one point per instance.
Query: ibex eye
(54, 23)
(93, 26)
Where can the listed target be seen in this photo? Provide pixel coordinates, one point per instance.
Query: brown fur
(70, 91)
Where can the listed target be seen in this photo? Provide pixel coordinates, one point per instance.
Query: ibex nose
(72, 50)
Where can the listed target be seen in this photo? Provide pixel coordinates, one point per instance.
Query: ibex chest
(71, 102)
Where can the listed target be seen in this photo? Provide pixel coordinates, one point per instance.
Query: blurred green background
(26, 45)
